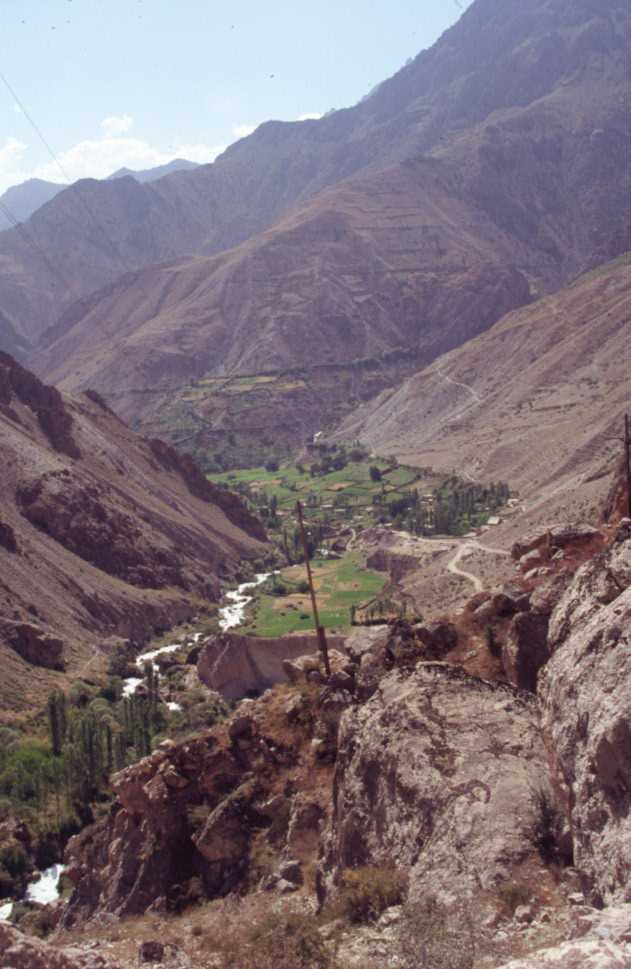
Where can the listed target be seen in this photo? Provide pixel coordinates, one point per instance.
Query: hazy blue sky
(137, 82)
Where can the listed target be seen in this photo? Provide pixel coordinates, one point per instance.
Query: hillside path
(465, 550)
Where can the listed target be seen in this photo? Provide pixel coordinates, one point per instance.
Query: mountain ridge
(257, 179)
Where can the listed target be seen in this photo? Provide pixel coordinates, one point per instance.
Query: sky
(136, 83)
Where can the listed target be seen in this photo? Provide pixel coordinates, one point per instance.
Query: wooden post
(324, 649)
(627, 448)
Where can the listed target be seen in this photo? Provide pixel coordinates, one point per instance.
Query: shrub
(435, 936)
(13, 865)
(512, 894)
(547, 828)
(273, 941)
(367, 892)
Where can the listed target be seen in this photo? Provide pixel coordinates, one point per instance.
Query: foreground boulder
(19, 952)
(437, 774)
(585, 692)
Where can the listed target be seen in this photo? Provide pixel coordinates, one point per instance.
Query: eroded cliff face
(215, 814)
(439, 773)
(396, 760)
(586, 705)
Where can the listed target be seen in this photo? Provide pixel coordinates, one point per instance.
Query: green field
(343, 495)
(340, 584)
(415, 500)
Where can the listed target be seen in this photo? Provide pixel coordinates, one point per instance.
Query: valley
(315, 570)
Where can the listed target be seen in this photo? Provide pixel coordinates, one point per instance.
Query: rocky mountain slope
(102, 535)
(332, 285)
(153, 174)
(506, 140)
(538, 399)
(21, 201)
(504, 804)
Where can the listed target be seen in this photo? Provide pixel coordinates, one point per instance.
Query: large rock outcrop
(206, 817)
(585, 693)
(33, 644)
(438, 774)
(237, 666)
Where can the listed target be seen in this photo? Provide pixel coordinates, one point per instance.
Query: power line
(33, 243)
(34, 125)
(79, 195)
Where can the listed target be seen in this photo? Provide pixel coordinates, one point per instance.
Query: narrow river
(230, 616)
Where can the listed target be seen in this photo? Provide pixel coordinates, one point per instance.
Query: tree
(375, 473)
(57, 720)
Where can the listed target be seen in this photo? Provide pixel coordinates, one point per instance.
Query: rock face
(437, 774)
(187, 820)
(554, 538)
(525, 650)
(599, 940)
(18, 951)
(585, 693)
(54, 417)
(237, 666)
(33, 644)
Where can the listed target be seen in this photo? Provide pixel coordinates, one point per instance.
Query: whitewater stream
(131, 684)
(44, 891)
(233, 614)
(230, 616)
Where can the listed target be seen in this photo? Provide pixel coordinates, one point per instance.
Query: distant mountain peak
(152, 174)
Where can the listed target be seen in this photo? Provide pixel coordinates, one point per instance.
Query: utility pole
(627, 449)
(324, 649)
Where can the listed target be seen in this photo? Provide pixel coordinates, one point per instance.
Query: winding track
(462, 552)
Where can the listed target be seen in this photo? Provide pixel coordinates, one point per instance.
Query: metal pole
(319, 630)
(627, 447)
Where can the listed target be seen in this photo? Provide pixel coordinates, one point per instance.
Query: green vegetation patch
(340, 585)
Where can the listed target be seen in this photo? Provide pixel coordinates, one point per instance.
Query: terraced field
(340, 585)
(346, 495)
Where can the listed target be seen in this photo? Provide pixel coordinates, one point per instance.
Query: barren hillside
(102, 535)
(536, 400)
(395, 263)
